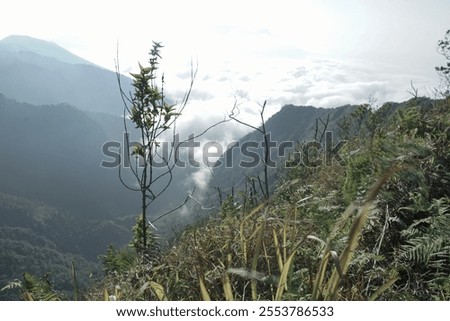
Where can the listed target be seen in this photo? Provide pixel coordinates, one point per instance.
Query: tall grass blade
(383, 288)
(282, 284)
(354, 236)
(256, 255)
(227, 289)
(283, 281)
(158, 289)
(276, 243)
(75, 283)
(203, 290)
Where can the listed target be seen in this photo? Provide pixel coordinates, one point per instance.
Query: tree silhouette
(152, 115)
(444, 71)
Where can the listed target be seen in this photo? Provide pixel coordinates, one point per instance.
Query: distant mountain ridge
(57, 151)
(293, 124)
(18, 44)
(39, 72)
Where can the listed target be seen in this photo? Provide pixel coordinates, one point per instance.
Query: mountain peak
(16, 44)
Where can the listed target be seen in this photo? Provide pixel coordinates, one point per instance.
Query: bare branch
(235, 112)
(201, 205)
(176, 208)
(233, 115)
(414, 91)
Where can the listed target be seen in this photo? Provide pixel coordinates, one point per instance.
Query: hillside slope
(40, 239)
(38, 72)
(292, 124)
(53, 154)
(376, 228)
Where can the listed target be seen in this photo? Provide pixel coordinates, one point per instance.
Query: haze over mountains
(40, 72)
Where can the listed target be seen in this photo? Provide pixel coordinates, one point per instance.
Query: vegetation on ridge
(374, 229)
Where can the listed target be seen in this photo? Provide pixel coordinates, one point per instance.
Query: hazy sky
(323, 53)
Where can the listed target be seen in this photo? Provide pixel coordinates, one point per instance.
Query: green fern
(433, 240)
(38, 289)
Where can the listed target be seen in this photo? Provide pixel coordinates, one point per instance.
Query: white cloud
(331, 83)
(201, 179)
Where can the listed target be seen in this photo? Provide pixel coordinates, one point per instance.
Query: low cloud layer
(308, 81)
